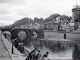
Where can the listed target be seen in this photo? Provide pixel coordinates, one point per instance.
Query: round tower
(76, 16)
(76, 38)
(76, 13)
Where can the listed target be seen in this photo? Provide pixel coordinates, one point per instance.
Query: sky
(13, 10)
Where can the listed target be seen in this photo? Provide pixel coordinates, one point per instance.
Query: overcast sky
(13, 10)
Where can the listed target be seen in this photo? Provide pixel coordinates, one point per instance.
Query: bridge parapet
(29, 32)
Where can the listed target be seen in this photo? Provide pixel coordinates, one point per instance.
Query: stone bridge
(27, 33)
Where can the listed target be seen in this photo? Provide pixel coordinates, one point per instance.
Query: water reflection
(57, 49)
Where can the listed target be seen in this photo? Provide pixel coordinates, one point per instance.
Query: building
(76, 16)
(51, 25)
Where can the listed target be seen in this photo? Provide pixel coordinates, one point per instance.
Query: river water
(62, 54)
(67, 54)
(58, 55)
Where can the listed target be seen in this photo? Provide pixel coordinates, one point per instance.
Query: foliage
(28, 21)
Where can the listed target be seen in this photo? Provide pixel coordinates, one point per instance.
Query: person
(21, 47)
(45, 56)
(31, 54)
(37, 55)
(15, 42)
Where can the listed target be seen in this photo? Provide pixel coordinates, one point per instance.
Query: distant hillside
(24, 21)
(28, 21)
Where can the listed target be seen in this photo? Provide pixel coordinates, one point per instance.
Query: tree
(36, 20)
(53, 16)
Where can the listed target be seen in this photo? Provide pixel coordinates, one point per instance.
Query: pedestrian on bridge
(15, 42)
(21, 47)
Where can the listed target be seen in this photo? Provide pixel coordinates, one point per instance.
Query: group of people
(19, 45)
(35, 55)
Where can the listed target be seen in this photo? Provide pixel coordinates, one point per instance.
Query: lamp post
(12, 47)
(12, 51)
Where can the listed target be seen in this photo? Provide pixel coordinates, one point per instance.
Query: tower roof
(76, 8)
